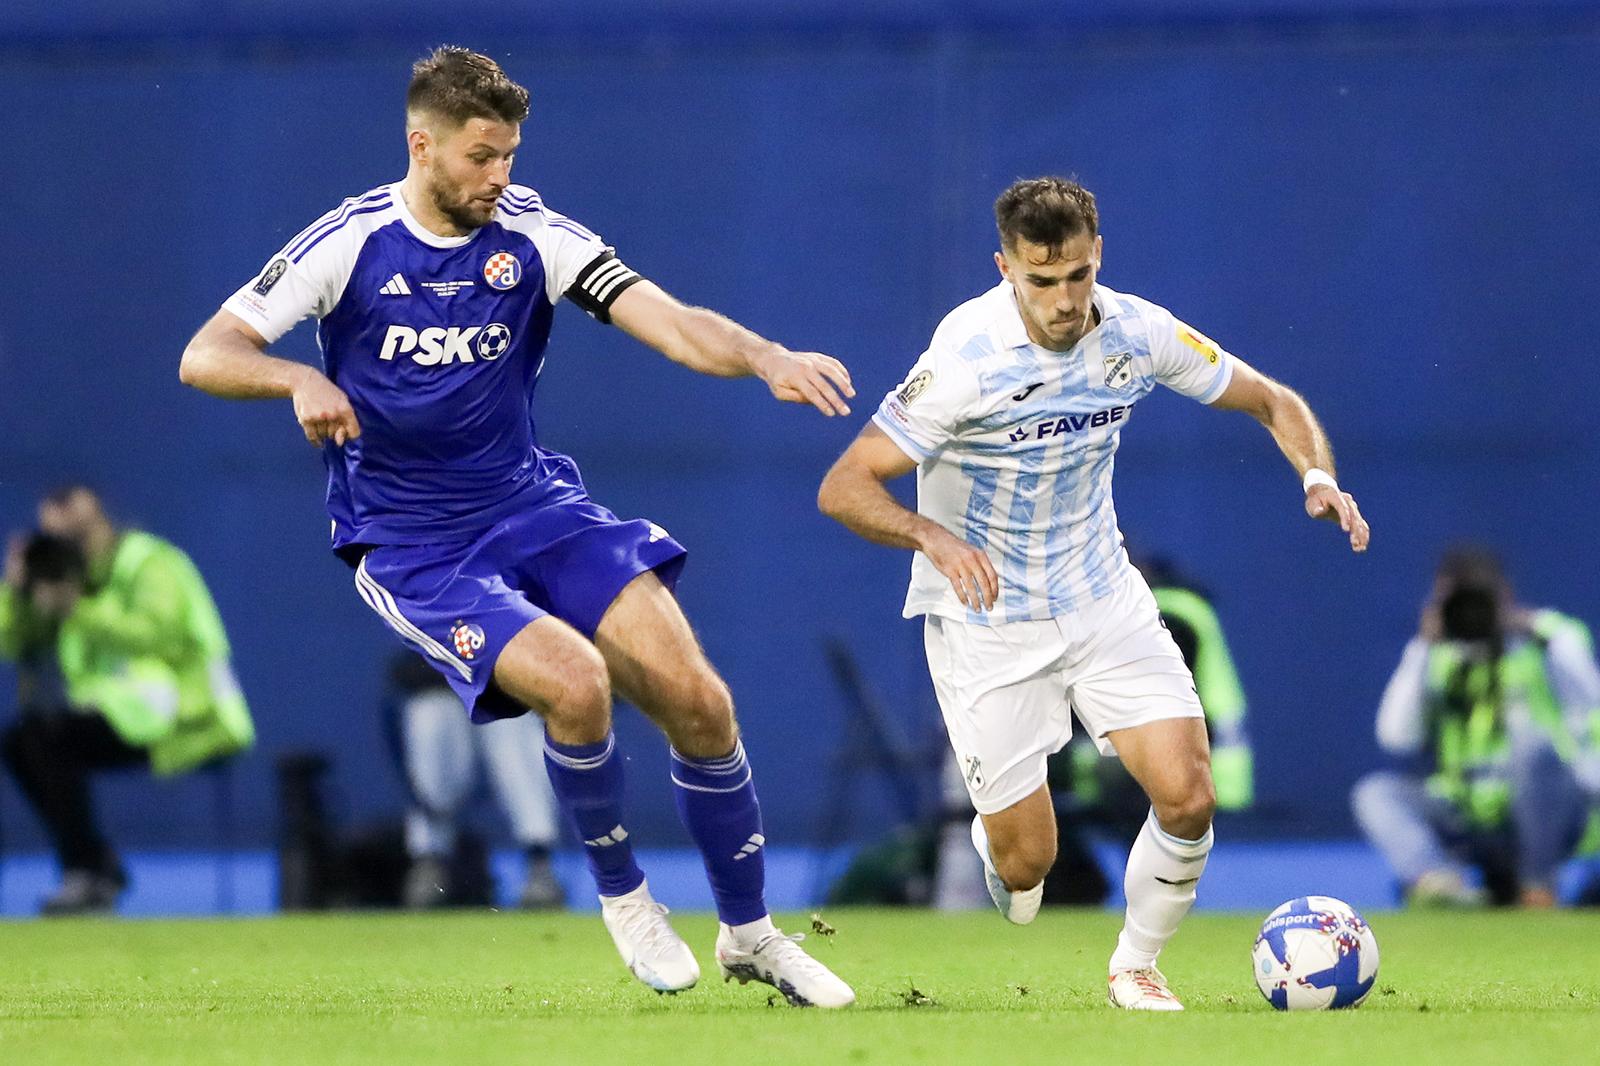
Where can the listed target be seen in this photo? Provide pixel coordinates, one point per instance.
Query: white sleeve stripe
(603, 273)
(614, 288)
(606, 280)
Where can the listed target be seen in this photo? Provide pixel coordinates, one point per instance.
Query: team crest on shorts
(467, 638)
(502, 271)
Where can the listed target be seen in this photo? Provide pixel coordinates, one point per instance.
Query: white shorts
(1008, 691)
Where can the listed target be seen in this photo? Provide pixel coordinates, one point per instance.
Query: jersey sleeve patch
(1186, 360)
(598, 285)
(1200, 343)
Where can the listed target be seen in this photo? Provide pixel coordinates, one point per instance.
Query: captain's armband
(598, 285)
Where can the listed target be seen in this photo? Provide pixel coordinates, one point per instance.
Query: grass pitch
(932, 988)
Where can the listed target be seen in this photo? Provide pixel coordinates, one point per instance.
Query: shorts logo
(502, 271)
(467, 638)
(657, 533)
(974, 772)
(270, 276)
(1119, 370)
(915, 387)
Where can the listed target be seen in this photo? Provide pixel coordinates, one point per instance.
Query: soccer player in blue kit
(480, 548)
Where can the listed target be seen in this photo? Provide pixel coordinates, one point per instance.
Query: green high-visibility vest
(147, 650)
(1466, 707)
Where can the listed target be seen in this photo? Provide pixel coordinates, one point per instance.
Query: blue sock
(718, 805)
(587, 781)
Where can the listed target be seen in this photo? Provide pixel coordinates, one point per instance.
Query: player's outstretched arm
(705, 341)
(854, 495)
(228, 358)
(1299, 435)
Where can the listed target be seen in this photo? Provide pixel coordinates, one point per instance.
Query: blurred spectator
(438, 743)
(1094, 791)
(1497, 708)
(124, 663)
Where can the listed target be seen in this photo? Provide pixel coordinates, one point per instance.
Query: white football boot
(1020, 908)
(654, 953)
(1141, 989)
(779, 961)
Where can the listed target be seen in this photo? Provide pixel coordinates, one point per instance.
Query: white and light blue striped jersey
(1014, 444)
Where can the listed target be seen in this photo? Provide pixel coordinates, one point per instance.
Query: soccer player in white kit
(1011, 419)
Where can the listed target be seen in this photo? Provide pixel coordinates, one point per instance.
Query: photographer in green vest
(141, 677)
(1496, 708)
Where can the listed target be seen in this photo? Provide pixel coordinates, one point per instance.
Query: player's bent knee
(580, 704)
(1189, 816)
(701, 725)
(569, 688)
(1026, 863)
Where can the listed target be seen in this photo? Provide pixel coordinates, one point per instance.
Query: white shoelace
(784, 949)
(646, 924)
(1152, 982)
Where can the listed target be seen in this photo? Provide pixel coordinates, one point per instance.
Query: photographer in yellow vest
(123, 662)
(1495, 711)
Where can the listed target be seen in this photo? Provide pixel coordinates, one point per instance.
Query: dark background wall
(1390, 206)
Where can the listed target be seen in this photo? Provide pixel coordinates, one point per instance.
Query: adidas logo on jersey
(441, 345)
(396, 286)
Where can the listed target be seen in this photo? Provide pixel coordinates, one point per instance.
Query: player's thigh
(1135, 696)
(452, 606)
(655, 660)
(555, 670)
(1171, 760)
(1003, 703)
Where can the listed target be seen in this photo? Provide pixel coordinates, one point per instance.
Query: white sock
(1155, 903)
(748, 935)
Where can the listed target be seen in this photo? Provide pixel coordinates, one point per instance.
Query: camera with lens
(1471, 613)
(50, 560)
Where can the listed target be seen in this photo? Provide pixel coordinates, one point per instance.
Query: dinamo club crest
(467, 638)
(502, 271)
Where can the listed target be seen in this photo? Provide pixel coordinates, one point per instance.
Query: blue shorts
(460, 603)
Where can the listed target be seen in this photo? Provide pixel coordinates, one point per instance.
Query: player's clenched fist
(324, 411)
(968, 568)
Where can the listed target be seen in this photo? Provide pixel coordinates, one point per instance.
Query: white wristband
(1318, 476)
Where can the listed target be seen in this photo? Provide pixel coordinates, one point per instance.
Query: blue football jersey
(438, 342)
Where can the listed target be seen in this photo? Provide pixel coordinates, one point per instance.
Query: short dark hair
(459, 84)
(1471, 565)
(48, 558)
(1048, 211)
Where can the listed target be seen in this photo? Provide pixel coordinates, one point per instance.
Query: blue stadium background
(1391, 206)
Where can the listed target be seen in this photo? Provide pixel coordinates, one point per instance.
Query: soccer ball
(1315, 953)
